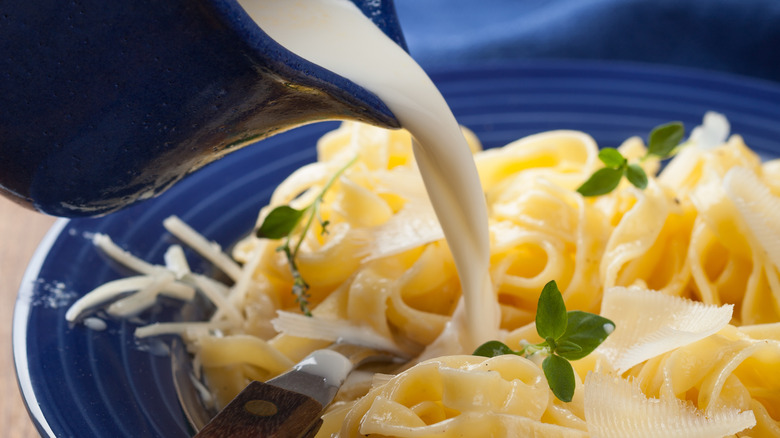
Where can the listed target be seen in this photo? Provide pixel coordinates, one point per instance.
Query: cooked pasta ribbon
(687, 268)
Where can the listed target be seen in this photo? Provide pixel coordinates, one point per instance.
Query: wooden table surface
(20, 232)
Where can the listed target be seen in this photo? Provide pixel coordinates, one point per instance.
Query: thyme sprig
(283, 221)
(567, 336)
(662, 143)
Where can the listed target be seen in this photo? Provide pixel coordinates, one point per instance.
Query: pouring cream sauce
(336, 35)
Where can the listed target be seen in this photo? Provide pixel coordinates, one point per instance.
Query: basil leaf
(601, 182)
(280, 222)
(587, 330)
(551, 315)
(611, 157)
(560, 377)
(492, 349)
(664, 138)
(636, 176)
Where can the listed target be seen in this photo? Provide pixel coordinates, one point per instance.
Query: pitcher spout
(116, 101)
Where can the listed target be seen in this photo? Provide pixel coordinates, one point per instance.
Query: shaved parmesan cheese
(333, 330)
(413, 226)
(758, 207)
(176, 261)
(650, 323)
(188, 329)
(145, 297)
(713, 132)
(211, 251)
(615, 407)
(112, 290)
(113, 250)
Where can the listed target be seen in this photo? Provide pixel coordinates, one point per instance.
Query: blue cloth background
(736, 36)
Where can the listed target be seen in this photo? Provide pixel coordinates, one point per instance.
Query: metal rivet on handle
(261, 408)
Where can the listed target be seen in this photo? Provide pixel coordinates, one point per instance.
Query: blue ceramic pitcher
(104, 103)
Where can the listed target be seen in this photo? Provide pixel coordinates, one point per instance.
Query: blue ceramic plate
(85, 383)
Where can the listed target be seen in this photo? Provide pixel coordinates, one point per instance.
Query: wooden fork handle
(266, 411)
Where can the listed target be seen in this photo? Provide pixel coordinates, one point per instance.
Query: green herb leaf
(663, 139)
(611, 157)
(601, 182)
(280, 222)
(587, 330)
(551, 315)
(560, 377)
(493, 349)
(565, 347)
(661, 143)
(567, 336)
(636, 176)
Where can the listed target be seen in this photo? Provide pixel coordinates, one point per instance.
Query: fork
(289, 405)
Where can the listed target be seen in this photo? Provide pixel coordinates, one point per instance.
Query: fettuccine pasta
(704, 234)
